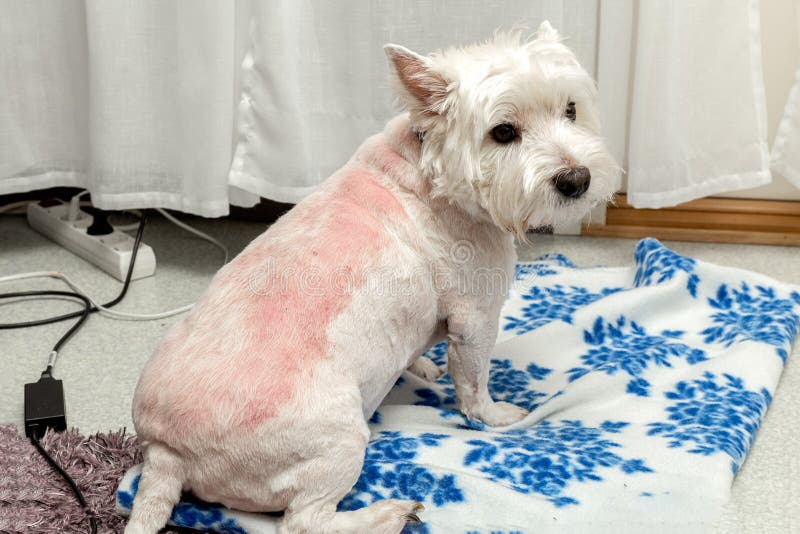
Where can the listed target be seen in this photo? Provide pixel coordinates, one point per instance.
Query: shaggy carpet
(34, 498)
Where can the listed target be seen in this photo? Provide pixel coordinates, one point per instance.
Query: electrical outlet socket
(110, 252)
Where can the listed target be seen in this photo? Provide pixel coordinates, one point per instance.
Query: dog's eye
(570, 113)
(504, 133)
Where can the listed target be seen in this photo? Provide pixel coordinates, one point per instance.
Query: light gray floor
(101, 364)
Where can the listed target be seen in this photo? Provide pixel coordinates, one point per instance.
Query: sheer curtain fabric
(195, 104)
(683, 97)
(192, 104)
(786, 149)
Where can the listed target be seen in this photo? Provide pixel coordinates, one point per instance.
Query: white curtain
(786, 149)
(131, 100)
(190, 104)
(683, 97)
(315, 75)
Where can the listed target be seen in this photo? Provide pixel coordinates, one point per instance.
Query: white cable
(75, 206)
(196, 232)
(114, 313)
(102, 309)
(23, 276)
(11, 208)
(123, 315)
(30, 298)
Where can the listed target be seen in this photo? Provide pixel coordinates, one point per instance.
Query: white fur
(442, 273)
(529, 84)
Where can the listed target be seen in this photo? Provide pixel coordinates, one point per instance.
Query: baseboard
(716, 220)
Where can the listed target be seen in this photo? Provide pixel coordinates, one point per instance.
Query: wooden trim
(687, 234)
(710, 220)
(728, 205)
(719, 220)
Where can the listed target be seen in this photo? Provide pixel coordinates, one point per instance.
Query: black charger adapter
(44, 406)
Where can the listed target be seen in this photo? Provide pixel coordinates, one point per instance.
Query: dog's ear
(421, 88)
(547, 32)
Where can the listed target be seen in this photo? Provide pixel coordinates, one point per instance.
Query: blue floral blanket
(646, 386)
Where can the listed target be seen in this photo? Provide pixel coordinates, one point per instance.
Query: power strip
(110, 252)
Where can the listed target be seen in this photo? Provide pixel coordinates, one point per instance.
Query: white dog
(259, 399)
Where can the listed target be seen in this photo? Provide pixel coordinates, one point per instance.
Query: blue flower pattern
(713, 414)
(438, 353)
(513, 385)
(549, 457)
(506, 383)
(656, 264)
(390, 473)
(754, 314)
(193, 514)
(546, 265)
(626, 346)
(125, 497)
(201, 516)
(548, 304)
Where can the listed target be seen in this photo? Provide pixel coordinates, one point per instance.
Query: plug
(100, 224)
(44, 406)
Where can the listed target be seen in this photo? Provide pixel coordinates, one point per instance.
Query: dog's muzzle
(572, 183)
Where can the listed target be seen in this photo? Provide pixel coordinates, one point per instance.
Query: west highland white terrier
(259, 398)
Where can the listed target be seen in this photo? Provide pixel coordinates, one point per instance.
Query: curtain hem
(722, 184)
(155, 199)
(43, 180)
(114, 201)
(278, 193)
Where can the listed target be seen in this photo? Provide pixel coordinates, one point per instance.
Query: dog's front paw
(426, 368)
(502, 414)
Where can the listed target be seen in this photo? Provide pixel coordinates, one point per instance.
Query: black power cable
(46, 380)
(35, 428)
(69, 480)
(83, 314)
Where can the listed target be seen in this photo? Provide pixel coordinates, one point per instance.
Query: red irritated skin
(284, 290)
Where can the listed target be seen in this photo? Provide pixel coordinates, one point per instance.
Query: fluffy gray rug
(34, 498)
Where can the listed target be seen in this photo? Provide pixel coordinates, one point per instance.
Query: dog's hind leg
(426, 368)
(325, 480)
(159, 490)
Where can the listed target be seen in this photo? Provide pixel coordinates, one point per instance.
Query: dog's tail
(160, 485)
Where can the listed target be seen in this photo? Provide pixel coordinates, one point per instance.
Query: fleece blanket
(646, 386)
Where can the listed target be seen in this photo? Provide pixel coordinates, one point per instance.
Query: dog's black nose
(572, 183)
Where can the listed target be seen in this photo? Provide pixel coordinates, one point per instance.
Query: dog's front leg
(468, 362)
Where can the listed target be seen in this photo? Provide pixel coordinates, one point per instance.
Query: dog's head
(509, 128)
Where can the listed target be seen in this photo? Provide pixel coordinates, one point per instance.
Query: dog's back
(293, 345)
(234, 362)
